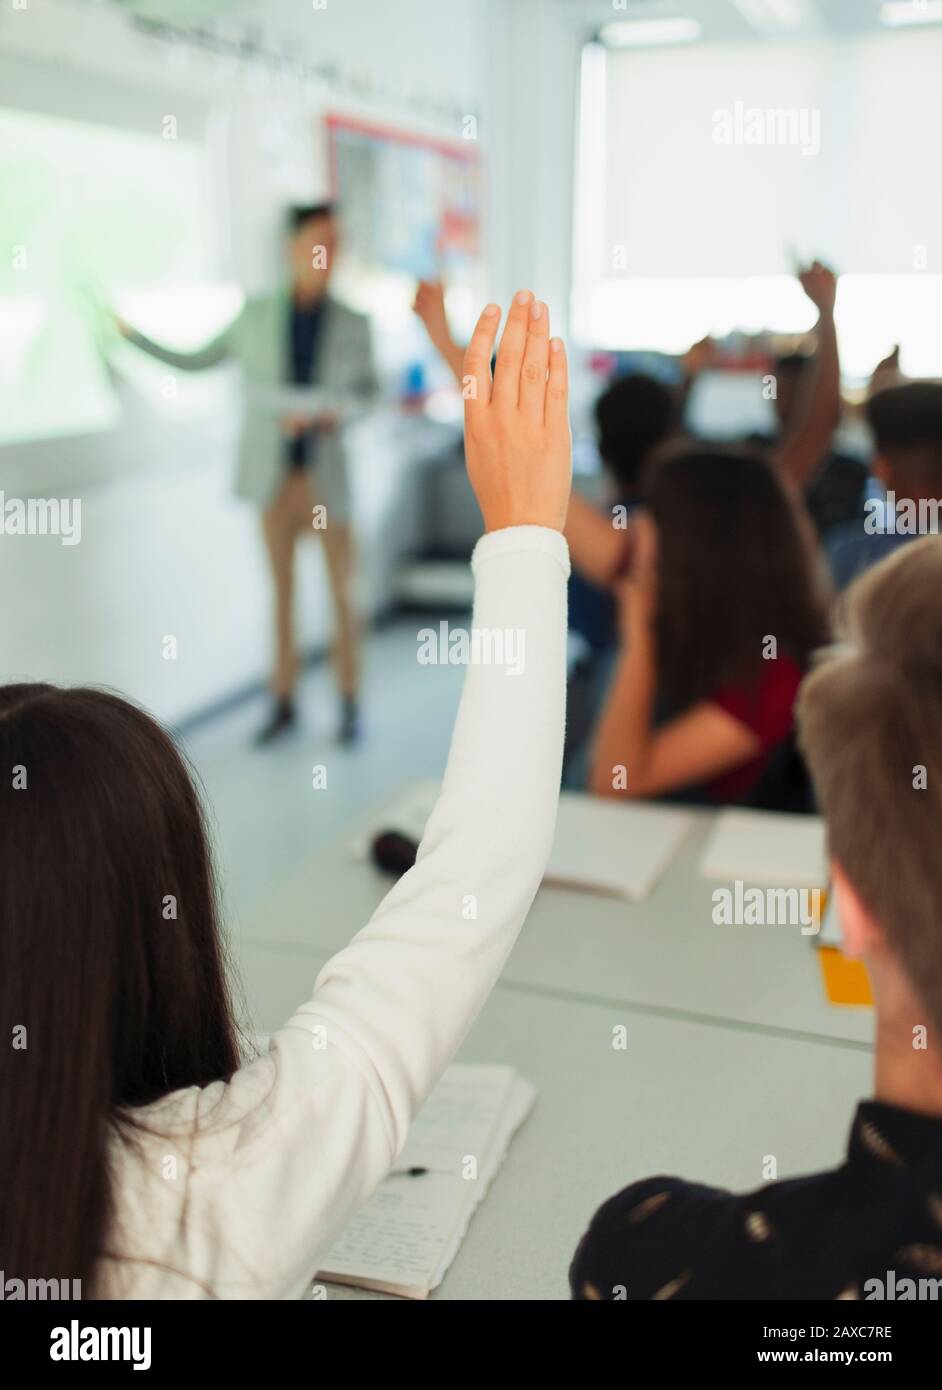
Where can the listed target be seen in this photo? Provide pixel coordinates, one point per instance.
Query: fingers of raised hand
(476, 372)
(506, 390)
(533, 370)
(556, 410)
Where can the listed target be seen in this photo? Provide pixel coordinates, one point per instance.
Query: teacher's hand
(517, 440)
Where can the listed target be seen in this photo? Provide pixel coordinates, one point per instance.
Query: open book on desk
(406, 1236)
(771, 847)
(618, 848)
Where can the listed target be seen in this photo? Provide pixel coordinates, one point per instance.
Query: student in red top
(721, 610)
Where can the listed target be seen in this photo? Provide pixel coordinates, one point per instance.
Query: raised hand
(698, 356)
(517, 441)
(429, 305)
(820, 285)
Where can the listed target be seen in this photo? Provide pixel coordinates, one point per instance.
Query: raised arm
(346, 1074)
(429, 305)
(800, 454)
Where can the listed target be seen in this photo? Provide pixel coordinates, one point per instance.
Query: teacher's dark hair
(112, 973)
(308, 212)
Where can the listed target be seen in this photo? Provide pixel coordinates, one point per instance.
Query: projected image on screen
(90, 216)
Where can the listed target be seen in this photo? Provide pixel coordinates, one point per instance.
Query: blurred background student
(906, 421)
(292, 456)
(722, 608)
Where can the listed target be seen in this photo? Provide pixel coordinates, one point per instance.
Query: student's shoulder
(850, 550)
(644, 1242)
(665, 1238)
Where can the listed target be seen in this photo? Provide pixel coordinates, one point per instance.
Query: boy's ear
(860, 932)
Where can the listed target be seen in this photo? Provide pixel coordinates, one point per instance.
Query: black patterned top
(869, 1229)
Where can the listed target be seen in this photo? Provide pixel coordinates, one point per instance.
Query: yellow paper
(845, 980)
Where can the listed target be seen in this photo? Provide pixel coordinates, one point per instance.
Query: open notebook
(609, 847)
(403, 1240)
(767, 847)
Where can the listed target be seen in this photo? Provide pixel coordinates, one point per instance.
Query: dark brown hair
(869, 718)
(112, 970)
(633, 415)
(906, 420)
(736, 565)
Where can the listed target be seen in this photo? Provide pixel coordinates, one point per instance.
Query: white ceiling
(721, 20)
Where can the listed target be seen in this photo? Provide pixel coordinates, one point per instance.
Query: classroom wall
(166, 550)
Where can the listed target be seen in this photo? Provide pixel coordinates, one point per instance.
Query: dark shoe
(283, 718)
(349, 730)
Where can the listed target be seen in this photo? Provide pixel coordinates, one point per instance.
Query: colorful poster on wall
(411, 204)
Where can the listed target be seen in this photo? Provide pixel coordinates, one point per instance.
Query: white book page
(610, 847)
(767, 847)
(618, 847)
(830, 933)
(399, 1236)
(409, 1232)
(515, 1112)
(459, 1119)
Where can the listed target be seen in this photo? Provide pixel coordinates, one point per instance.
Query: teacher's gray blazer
(258, 340)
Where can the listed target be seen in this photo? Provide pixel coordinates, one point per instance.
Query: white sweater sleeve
(297, 1140)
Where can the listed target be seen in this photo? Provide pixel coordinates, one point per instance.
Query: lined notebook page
(406, 1236)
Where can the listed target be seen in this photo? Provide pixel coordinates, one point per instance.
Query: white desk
(661, 956)
(704, 1101)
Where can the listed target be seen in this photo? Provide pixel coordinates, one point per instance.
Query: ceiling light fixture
(646, 33)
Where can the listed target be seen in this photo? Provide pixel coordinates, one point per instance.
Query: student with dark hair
(867, 717)
(294, 465)
(721, 612)
(633, 416)
(137, 1154)
(906, 422)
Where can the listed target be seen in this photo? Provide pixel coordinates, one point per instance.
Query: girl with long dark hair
(721, 610)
